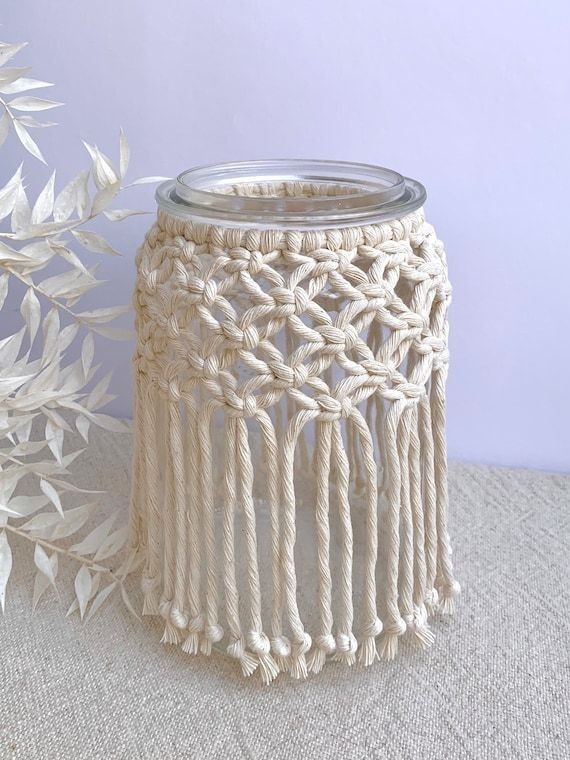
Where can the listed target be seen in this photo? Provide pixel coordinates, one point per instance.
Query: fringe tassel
(193, 529)
(406, 579)
(324, 642)
(423, 636)
(394, 626)
(301, 642)
(429, 503)
(178, 617)
(236, 648)
(280, 644)
(345, 640)
(213, 632)
(448, 587)
(373, 626)
(151, 580)
(256, 639)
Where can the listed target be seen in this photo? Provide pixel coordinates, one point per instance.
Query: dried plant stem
(60, 550)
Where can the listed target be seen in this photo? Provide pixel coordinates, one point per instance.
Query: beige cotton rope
(271, 362)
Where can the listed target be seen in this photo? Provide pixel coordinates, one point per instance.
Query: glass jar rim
(332, 194)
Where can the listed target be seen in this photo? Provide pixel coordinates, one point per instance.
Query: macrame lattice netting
(291, 385)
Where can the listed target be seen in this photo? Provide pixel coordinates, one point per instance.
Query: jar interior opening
(291, 193)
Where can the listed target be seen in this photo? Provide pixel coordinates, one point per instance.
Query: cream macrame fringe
(255, 339)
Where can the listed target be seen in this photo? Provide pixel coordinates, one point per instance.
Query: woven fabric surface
(496, 683)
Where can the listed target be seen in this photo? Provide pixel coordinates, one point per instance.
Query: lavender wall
(471, 98)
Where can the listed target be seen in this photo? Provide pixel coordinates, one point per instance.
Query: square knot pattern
(273, 360)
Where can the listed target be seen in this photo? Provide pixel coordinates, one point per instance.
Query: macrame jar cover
(289, 418)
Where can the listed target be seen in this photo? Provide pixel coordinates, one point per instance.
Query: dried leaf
(5, 122)
(8, 50)
(42, 582)
(87, 354)
(101, 597)
(112, 544)
(31, 311)
(94, 242)
(28, 142)
(73, 196)
(9, 193)
(104, 197)
(98, 316)
(5, 566)
(83, 588)
(23, 84)
(54, 437)
(104, 173)
(9, 75)
(127, 602)
(21, 213)
(9, 384)
(74, 606)
(4, 282)
(43, 207)
(31, 103)
(29, 121)
(73, 521)
(52, 495)
(22, 506)
(82, 424)
(43, 564)
(93, 540)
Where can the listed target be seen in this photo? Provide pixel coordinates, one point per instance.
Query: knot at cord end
(299, 649)
(346, 646)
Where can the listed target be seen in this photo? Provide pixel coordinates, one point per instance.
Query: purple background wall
(472, 99)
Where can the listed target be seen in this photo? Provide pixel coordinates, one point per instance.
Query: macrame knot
(249, 406)
(326, 643)
(187, 250)
(258, 642)
(333, 408)
(428, 345)
(174, 390)
(373, 630)
(431, 600)
(236, 648)
(210, 293)
(211, 368)
(300, 375)
(302, 646)
(284, 299)
(164, 608)
(196, 624)
(214, 633)
(344, 261)
(333, 336)
(447, 592)
(395, 627)
(346, 643)
(259, 645)
(281, 646)
(250, 337)
(255, 263)
(247, 661)
(178, 618)
(301, 300)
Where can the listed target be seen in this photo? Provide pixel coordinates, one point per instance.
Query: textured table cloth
(496, 684)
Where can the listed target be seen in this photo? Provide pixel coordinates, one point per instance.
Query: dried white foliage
(40, 388)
